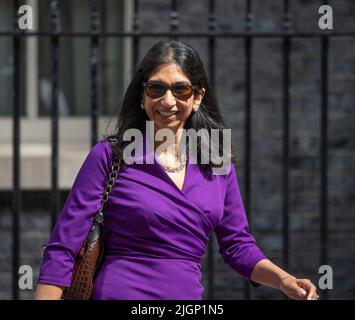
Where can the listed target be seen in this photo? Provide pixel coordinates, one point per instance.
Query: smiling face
(168, 111)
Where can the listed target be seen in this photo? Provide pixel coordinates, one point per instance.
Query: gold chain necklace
(178, 168)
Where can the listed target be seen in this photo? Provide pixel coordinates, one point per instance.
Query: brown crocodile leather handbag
(89, 258)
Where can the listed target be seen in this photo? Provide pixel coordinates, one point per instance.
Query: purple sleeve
(236, 245)
(75, 219)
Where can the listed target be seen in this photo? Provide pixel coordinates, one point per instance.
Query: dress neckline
(182, 190)
(149, 151)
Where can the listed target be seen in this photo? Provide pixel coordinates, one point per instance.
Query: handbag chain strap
(115, 167)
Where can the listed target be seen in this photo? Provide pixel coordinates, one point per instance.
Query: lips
(167, 113)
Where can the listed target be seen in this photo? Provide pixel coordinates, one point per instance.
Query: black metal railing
(249, 36)
(17, 201)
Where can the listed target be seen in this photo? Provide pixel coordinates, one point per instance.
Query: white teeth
(166, 114)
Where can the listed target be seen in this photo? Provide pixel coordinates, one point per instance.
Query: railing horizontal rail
(180, 34)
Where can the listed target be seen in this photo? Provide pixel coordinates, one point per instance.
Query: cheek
(189, 108)
(188, 105)
(149, 106)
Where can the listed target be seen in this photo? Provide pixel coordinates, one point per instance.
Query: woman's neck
(171, 148)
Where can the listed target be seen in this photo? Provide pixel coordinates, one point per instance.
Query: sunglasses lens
(155, 90)
(182, 92)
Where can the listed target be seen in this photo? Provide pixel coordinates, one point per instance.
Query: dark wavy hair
(208, 115)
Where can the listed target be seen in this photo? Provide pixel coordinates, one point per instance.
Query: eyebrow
(175, 83)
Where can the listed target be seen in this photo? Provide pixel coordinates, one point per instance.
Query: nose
(168, 99)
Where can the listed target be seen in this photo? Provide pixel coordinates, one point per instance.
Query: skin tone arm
(48, 292)
(267, 273)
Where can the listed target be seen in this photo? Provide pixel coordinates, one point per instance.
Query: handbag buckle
(99, 218)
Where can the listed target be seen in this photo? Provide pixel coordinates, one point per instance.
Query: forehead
(169, 73)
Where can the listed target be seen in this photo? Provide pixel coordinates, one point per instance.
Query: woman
(159, 215)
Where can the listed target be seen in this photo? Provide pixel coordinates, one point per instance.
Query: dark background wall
(266, 148)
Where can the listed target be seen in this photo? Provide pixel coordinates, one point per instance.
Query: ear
(198, 99)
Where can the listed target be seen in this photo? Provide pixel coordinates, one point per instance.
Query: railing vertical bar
(174, 20)
(136, 24)
(17, 196)
(211, 59)
(286, 106)
(248, 125)
(55, 27)
(94, 58)
(104, 50)
(324, 156)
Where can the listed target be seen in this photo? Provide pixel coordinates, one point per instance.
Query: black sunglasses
(180, 91)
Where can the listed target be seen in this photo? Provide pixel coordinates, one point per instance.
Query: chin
(172, 126)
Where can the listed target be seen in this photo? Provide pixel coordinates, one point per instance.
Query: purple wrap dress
(156, 233)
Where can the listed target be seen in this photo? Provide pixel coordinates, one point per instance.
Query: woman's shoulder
(220, 175)
(102, 144)
(225, 171)
(100, 152)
